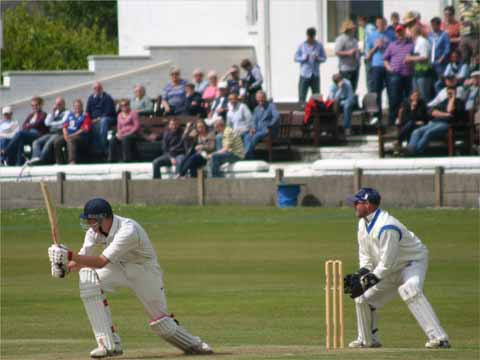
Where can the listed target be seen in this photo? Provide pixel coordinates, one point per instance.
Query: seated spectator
(265, 117)
(8, 129)
(440, 47)
(231, 149)
(173, 146)
(128, 128)
(76, 134)
(448, 111)
(194, 102)
(211, 91)
(173, 97)
(473, 91)
(341, 92)
(251, 82)
(140, 102)
(33, 127)
(232, 77)
(219, 107)
(412, 115)
(101, 109)
(456, 67)
(239, 116)
(451, 26)
(203, 144)
(450, 81)
(199, 82)
(43, 147)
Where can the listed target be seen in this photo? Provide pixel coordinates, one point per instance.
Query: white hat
(7, 110)
(475, 73)
(222, 85)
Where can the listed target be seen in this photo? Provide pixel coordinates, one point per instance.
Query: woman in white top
(239, 116)
(8, 128)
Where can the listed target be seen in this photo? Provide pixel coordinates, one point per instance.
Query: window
(340, 10)
(252, 12)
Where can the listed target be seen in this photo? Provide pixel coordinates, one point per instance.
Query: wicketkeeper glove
(356, 284)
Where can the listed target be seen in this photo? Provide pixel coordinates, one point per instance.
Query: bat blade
(52, 215)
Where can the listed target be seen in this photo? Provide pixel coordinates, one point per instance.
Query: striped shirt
(396, 53)
(233, 142)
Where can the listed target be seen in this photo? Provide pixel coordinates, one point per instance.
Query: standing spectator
(232, 77)
(43, 147)
(440, 48)
(473, 92)
(199, 82)
(140, 102)
(394, 21)
(8, 129)
(251, 82)
(231, 149)
(377, 43)
(193, 102)
(265, 117)
(204, 144)
(456, 67)
(128, 127)
(76, 134)
(173, 97)
(310, 54)
(412, 20)
(399, 78)
(341, 91)
(445, 113)
(173, 145)
(346, 48)
(451, 26)
(422, 69)
(364, 30)
(412, 115)
(101, 109)
(33, 127)
(219, 106)
(211, 91)
(239, 116)
(469, 30)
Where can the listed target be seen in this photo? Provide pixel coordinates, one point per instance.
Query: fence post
(200, 187)
(126, 176)
(278, 176)
(60, 192)
(357, 179)
(439, 186)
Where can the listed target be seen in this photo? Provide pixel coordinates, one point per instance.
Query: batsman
(392, 259)
(128, 260)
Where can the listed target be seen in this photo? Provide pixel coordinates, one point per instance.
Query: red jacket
(312, 105)
(38, 124)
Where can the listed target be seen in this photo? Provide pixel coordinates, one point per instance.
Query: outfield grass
(248, 280)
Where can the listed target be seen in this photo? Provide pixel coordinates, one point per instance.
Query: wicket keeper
(392, 259)
(128, 260)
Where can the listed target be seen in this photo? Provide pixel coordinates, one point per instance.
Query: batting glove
(59, 270)
(59, 254)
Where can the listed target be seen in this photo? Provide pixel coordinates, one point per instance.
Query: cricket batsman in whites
(392, 259)
(128, 260)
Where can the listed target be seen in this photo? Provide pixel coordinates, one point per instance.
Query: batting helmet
(96, 209)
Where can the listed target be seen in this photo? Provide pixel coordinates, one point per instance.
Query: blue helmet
(96, 209)
(365, 194)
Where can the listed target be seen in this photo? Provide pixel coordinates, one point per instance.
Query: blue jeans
(191, 164)
(424, 86)
(218, 159)
(15, 147)
(100, 133)
(43, 147)
(423, 135)
(218, 141)
(3, 145)
(304, 83)
(398, 88)
(347, 107)
(378, 79)
(251, 141)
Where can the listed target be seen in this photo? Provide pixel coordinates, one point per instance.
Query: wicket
(334, 300)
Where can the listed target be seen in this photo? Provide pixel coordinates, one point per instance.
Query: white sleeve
(125, 240)
(88, 244)
(388, 244)
(364, 257)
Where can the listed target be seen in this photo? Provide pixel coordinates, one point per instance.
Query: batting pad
(176, 335)
(364, 321)
(97, 311)
(421, 309)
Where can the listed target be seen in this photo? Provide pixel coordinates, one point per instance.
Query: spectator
(43, 146)
(76, 134)
(475, 64)
(412, 115)
(341, 91)
(204, 144)
(173, 145)
(265, 117)
(252, 82)
(239, 116)
(440, 48)
(451, 26)
(33, 127)
(211, 91)
(128, 128)
(346, 48)
(8, 129)
(377, 43)
(310, 54)
(364, 30)
(394, 21)
(140, 102)
(193, 102)
(473, 89)
(469, 30)
(448, 111)
(456, 67)
(450, 81)
(422, 69)
(219, 106)
(232, 77)
(101, 109)
(173, 97)
(199, 82)
(399, 82)
(411, 20)
(231, 148)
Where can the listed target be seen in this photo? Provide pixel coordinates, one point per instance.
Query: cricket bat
(52, 215)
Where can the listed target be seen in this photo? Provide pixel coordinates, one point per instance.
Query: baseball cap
(399, 27)
(7, 110)
(223, 85)
(475, 73)
(365, 194)
(96, 208)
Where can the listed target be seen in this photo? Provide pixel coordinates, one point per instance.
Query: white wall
(427, 8)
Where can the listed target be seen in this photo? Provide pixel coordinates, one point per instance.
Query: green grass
(248, 280)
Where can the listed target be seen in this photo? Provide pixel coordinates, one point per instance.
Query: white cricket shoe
(437, 344)
(357, 344)
(201, 349)
(101, 352)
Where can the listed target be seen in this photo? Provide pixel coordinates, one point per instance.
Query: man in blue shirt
(310, 54)
(376, 44)
(341, 91)
(265, 116)
(440, 42)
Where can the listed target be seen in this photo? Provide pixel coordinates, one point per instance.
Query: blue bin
(287, 195)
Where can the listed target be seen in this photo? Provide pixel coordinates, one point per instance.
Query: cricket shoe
(358, 344)
(437, 344)
(201, 349)
(101, 352)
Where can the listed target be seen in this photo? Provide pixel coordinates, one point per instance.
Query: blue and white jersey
(385, 245)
